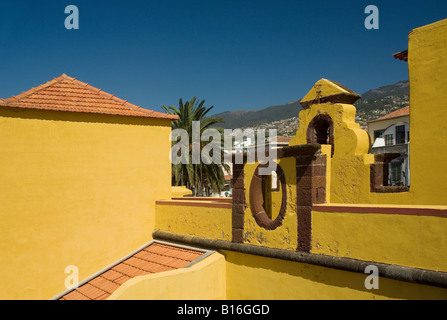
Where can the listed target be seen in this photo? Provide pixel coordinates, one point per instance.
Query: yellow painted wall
(76, 189)
(254, 277)
(406, 240)
(205, 280)
(180, 191)
(202, 221)
(427, 49)
(349, 173)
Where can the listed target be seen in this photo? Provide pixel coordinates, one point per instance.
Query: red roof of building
(283, 139)
(405, 111)
(68, 94)
(403, 55)
(156, 257)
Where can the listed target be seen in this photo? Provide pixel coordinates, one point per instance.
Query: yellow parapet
(204, 218)
(205, 280)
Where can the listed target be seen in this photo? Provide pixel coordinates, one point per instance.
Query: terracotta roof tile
(75, 295)
(156, 257)
(403, 55)
(68, 94)
(91, 291)
(283, 139)
(112, 275)
(405, 111)
(106, 285)
(122, 279)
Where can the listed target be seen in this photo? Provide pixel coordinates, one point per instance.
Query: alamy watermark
(72, 20)
(72, 280)
(372, 20)
(192, 150)
(372, 281)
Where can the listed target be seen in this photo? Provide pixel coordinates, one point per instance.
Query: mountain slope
(400, 88)
(243, 119)
(378, 102)
(373, 104)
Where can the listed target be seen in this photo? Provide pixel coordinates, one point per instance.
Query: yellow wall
(406, 240)
(253, 277)
(205, 280)
(349, 172)
(180, 191)
(76, 189)
(202, 221)
(427, 64)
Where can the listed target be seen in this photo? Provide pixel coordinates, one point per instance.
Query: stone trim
(228, 200)
(379, 174)
(391, 271)
(382, 210)
(310, 189)
(314, 128)
(239, 203)
(198, 203)
(348, 98)
(257, 199)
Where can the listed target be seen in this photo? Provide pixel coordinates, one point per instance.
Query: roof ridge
(33, 90)
(112, 96)
(126, 109)
(393, 114)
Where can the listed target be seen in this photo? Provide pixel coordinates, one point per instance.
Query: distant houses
(391, 134)
(247, 144)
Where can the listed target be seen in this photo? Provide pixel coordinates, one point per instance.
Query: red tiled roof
(405, 111)
(283, 139)
(403, 55)
(68, 94)
(156, 257)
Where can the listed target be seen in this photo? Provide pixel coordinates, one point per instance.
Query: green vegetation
(197, 177)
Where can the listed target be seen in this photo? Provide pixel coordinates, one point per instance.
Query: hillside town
(367, 110)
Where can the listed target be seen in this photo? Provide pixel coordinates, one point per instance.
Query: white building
(390, 134)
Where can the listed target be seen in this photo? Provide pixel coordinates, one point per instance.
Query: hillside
(378, 102)
(373, 104)
(242, 118)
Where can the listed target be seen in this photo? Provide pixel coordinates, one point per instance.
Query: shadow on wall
(280, 279)
(51, 115)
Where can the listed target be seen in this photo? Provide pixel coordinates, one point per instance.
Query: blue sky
(234, 54)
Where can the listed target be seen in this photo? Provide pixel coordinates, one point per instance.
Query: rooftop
(402, 112)
(156, 257)
(68, 94)
(403, 55)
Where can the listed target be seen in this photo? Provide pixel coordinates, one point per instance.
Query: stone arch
(257, 199)
(321, 130)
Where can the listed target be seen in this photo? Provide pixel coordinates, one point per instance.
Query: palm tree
(197, 176)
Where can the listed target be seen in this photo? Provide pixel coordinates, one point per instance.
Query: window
(274, 182)
(378, 134)
(389, 140)
(400, 134)
(396, 173)
(321, 131)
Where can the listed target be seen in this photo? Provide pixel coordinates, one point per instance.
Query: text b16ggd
(245, 309)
